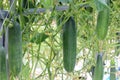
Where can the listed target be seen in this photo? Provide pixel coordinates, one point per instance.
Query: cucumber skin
(112, 70)
(3, 70)
(69, 45)
(102, 24)
(99, 69)
(14, 49)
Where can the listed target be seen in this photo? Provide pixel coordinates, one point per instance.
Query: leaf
(25, 71)
(65, 1)
(1, 4)
(28, 4)
(38, 38)
(47, 3)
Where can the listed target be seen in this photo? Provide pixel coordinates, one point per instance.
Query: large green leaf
(38, 38)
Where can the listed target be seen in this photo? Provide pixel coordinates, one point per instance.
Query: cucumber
(118, 43)
(14, 39)
(3, 68)
(69, 44)
(102, 23)
(112, 70)
(98, 73)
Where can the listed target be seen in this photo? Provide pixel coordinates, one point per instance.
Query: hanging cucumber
(3, 70)
(98, 73)
(69, 44)
(117, 50)
(112, 70)
(14, 48)
(102, 22)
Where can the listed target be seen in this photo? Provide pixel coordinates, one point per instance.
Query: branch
(42, 10)
(3, 13)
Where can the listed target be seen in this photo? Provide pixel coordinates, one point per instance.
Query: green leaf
(28, 4)
(47, 3)
(25, 71)
(38, 38)
(65, 1)
(1, 4)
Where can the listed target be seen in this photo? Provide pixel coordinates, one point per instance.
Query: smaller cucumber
(102, 23)
(112, 70)
(3, 69)
(98, 73)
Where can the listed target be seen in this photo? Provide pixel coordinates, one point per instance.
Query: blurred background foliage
(42, 37)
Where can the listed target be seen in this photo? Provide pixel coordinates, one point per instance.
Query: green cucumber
(98, 73)
(69, 44)
(112, 70)
(3, 69)
(14, 48)
(102, 23)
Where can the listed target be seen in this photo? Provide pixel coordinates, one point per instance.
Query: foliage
(42, 43)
